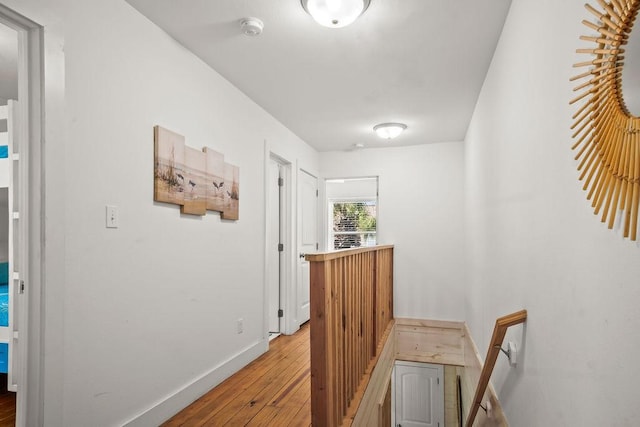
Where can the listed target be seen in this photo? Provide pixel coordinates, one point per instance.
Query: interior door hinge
(438, 381)
(280, 313)
(317, 246)
(316, 193)
(280, 247)
(22, 286)
(280, 182)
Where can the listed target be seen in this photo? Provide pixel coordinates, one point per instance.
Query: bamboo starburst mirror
(606, 132)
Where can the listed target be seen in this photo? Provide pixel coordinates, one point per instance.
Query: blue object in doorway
(4, 357)
(4, 294)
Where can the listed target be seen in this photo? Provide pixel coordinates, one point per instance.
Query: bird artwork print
(197, 180)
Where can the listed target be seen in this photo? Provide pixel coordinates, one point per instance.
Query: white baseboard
(164, 409)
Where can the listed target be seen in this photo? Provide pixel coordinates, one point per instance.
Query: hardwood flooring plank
(7, 404)
(302, 418)
(272, 390)
(231, 392)
(277, 403)
(284, 411)
(259, 393)
(285, 394)
(265, 417)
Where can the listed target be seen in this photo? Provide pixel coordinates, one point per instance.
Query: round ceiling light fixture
(389, 130)
(251, 26)
(335, 13)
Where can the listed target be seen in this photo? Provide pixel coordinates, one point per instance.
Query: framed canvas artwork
(196, 180)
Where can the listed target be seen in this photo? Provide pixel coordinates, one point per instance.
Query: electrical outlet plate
(512, 350)
(240, 325)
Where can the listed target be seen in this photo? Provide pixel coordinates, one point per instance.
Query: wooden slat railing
(499, 331)
(351, 307)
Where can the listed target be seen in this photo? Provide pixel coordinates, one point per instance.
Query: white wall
(8, 63)
(359, 188)
(420, 212)
(533, 242)
(135, 314)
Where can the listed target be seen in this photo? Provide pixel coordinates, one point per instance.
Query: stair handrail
(499, 331)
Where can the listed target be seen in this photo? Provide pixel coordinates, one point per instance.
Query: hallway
(272, 390)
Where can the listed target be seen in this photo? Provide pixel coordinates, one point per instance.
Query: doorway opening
(8, 294)
(278, 245)
(25, 198)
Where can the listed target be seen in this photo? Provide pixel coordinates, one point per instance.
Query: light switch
(112, 217)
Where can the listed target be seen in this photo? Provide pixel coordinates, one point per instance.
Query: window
(352, 212)
(353, 223)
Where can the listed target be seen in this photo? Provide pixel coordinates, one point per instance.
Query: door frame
(301, 170)
(286, 221)
(29, 403)
(273, 240)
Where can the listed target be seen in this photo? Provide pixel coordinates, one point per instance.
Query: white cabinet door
(307, 238)
(419, 395)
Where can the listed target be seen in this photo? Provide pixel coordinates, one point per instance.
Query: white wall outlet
(512, 350)
(240, 325)
(112, 217)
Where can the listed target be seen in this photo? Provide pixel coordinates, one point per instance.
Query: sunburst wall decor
(606, 133)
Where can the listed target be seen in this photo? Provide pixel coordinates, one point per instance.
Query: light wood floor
(273, 390)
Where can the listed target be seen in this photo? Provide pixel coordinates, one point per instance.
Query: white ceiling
(419, 62)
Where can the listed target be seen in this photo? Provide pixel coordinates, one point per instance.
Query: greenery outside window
(353, 223)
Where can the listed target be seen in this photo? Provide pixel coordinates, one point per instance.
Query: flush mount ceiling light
(389, 130)
(335, 13)
(251, 26)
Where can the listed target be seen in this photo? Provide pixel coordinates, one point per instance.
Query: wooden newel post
(321, 383)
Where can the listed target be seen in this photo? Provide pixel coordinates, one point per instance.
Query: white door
(273, 246)
(419, 395)
(307, 238)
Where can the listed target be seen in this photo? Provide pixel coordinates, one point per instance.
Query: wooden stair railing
(351, 309)
(499, 331)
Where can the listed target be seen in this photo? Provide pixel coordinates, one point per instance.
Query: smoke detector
(251, 26)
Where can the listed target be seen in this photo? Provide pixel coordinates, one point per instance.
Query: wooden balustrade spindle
(351, 307)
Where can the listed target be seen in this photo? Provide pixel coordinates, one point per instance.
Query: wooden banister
(351, 308)
(499, 331)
